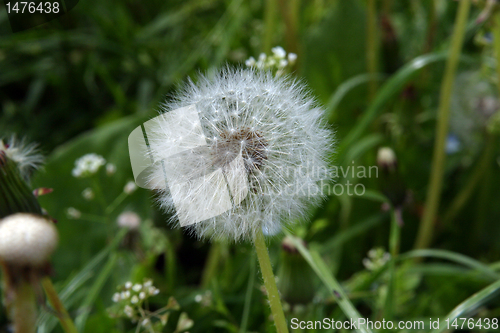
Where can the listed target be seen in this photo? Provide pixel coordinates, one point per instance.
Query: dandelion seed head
(27, 239)
(25, 155)
(278, 130)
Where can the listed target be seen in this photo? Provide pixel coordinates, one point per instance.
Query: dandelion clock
(235, 156)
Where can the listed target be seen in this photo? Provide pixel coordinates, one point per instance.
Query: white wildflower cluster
(131, 302)
(88, 165)
(136, 293)
(26, 156)
(270, 124)
(277, 61)
(377, 258)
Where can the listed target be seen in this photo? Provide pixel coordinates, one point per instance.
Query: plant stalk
(270, 283)
(371, 46)
(426, 228)
(63, 316)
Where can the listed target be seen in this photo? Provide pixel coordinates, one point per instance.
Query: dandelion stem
(23, 309)
(426, 228)
(270, 283)
(63, 316)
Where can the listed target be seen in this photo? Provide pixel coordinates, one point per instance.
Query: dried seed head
(269, 125)
(27, 240)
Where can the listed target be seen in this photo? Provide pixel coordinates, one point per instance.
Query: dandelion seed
(268, 123)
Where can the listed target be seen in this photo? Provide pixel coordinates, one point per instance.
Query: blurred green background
(81, 83)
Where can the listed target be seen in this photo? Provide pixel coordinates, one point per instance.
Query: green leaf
(469, 305)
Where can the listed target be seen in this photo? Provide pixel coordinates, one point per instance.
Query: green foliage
(80, 84)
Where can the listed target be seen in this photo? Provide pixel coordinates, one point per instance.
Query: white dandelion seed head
(27, 239)
(25, 155)
(275, 128)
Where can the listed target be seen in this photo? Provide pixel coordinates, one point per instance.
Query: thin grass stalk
(426, 228)
(270, 15)
(270, 283)
(63, 316)
(371, 46)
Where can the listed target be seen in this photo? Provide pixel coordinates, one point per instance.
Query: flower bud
(27, 240)
(386, 159)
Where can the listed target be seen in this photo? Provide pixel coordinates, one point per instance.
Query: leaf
(469, 305)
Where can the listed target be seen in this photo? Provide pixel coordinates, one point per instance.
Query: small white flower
(129, 220)
(129, 311)
(283, 63)
(125, 294)
(134, 299)
(87, 165)
(110, 169)
(73, 213)
(145, 322)
(88, 194)
(130, 187)
(279, 52)
(198, 298)
(250, 62)
(26, 156)
(128, 285)
(262, 57)
(153, 291)
(116, 297)
(292, 57)
(137, 287)
(142, 295)
(27, 239)
(148, 283)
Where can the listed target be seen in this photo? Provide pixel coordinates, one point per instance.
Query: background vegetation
(81, 83)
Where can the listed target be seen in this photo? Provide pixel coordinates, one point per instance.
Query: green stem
(118, 200)
(426, 228)
(270, 283)
(212, 264)
(496, 45)
(271, 10)
(371, 45)
(63, 316)
(394, 242)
